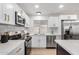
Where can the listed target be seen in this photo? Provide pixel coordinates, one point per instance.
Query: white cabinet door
(53, 22)
(38, 41)
(42, 41)
(67, 17)
(1, 14)
(35, 41)
(5, 13)
(27, 21)
(8, 13)
(11, 13)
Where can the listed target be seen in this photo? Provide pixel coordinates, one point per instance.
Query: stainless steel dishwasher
(50, 41)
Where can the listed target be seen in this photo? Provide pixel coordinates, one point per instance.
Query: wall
(58, 21)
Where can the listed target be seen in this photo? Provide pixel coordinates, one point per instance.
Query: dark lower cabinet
(61, 51)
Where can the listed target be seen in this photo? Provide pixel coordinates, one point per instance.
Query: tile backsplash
(10, 29)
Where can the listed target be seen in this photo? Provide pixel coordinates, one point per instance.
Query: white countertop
(6, 48)
(45, 34)
(71, 46)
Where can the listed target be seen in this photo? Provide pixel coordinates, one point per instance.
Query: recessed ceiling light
(38, 13)
(61, 6)
(36, 6)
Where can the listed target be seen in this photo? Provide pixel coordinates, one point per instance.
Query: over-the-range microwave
(19, 20)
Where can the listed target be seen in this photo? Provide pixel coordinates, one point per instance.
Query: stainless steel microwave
(19, 20)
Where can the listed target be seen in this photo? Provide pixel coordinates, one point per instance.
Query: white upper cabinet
(24, 15)
(65, 17)
(8, 13)
(53, 22)
(27, 18)
(1, 19)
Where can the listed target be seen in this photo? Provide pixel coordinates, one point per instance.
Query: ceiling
(48, 9)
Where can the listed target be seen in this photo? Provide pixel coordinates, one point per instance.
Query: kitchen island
(12, 47)
(67, 47)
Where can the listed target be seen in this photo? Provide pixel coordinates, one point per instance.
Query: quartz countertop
(6, 48)
(71, 46)
(45, 34)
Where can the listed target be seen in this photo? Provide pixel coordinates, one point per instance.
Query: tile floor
(42, 51)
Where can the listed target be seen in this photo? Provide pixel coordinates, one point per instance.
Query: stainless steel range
(28, 45)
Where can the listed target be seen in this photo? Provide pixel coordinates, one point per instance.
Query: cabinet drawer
(18, 50)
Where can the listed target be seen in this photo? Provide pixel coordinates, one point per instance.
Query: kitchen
(39, 28)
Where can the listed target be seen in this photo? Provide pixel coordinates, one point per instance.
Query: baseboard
(50, 47)
(38, 47)
(44, 48)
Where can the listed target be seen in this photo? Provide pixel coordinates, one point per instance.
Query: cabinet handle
(5, 16)
(8, 17)
(18, 50)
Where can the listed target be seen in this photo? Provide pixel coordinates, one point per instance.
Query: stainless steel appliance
(19, 20)
(28, 45)
(50, 41)
(69, 29)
